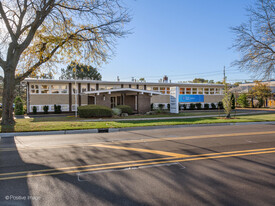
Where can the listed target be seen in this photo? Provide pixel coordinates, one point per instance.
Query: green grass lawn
(72, 118)
(164, 114)
(69, 123)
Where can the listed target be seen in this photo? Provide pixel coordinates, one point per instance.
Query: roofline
(34, 80)
(121, 90)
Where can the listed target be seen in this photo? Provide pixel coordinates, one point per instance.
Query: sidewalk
(125, 129)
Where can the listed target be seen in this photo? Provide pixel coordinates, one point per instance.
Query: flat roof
(34, 80)
(122, 90)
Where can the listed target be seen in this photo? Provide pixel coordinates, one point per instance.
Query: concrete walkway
(110, 130)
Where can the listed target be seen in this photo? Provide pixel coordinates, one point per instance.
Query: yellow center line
(134, 165)
(142, 150)
(84, 166)
(138, 161)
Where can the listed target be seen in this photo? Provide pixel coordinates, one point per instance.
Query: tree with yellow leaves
(261, 92)
(36, 33)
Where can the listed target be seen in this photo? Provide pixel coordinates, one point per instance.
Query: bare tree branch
(3, 15)
(256, 40)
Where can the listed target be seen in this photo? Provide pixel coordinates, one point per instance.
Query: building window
(83, 88)
(162, 90)
(64, 89)
(102, 87)
(155, 88)
(64, 107)
(182, 90)
(200, 90)
(45, 89)
(148, 88)
(141, 87)
(188, 90)
(55, 89)
(92, 87)
(217, 91)
(212, 91)
(74, 90)
(113, 86)
(34, 89)
(206, 90)
(194, 90)
(74, 107)
(167, 90)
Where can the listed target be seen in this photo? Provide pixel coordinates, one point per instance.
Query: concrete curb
(109, 130)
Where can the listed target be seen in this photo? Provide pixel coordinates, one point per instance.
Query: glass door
(113, 102)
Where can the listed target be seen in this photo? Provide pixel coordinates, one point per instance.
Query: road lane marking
(164, 153)
(135, 161)
(162, 139)
(136, 165)
(84, 166)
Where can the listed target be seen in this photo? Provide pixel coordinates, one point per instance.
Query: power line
(212, 73)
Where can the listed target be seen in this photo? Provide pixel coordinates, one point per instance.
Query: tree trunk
(8, 97)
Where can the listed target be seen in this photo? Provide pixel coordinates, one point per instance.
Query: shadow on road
(12, 191)
(227, 181)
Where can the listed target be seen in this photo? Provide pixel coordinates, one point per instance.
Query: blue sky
(182, 39)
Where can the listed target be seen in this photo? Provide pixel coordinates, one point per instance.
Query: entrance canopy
(125, 90)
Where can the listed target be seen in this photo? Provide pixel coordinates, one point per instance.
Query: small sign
(191, 98)
(174, 99)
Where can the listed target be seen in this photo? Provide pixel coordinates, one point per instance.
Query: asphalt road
(214, 165)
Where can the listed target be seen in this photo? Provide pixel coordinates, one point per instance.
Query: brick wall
(130, 100)
(47, 99)
(212, 98)
(100, 100)
(144, 103)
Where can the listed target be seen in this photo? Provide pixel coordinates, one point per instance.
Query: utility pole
(224, 77)
(75, 93)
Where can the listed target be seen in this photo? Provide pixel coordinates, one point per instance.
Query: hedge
(125, 109)
(57, 109)
(206, 106)
(192, 106)
(19, 107)
(94, 111)
(198, 106)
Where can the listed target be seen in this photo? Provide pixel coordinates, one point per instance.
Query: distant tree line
(80, 71)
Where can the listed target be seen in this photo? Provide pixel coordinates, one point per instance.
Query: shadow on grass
(7, 128)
